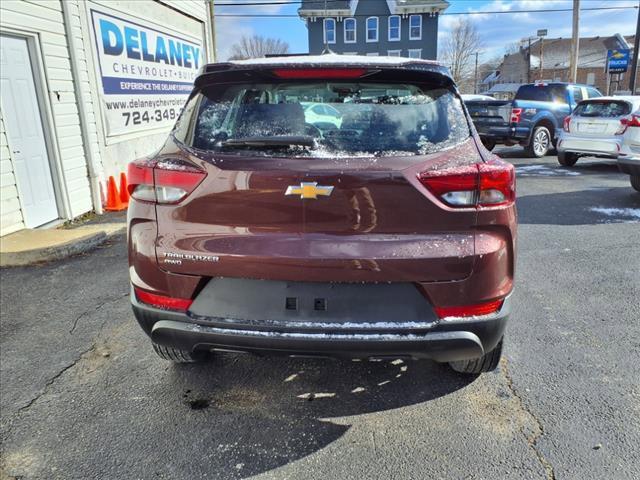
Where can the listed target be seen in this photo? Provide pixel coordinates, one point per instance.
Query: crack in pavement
(532, 439)
(53, 379)
(95, 309)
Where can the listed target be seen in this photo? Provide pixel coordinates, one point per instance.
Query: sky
(496, 30)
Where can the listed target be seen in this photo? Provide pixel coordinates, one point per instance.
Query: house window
(394, 53)
(372, 29)
(415, 53)
(591, 78)
(350, 30)
(394, 28)
(415, 27)
(329, 30)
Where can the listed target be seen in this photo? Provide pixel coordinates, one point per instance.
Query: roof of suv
(328, 60)
(556, 84)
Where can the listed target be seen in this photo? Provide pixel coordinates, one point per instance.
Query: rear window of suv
(602, 108)
(360, 119)
(543, 93)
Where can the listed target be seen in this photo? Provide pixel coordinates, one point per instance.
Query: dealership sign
(618, 60)
(145, 73)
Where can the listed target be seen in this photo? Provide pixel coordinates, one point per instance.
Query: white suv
(605, 127)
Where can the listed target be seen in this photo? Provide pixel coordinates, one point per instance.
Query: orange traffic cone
(124, 192)
(113, 198)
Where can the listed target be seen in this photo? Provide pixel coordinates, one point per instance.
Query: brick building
(549, 60)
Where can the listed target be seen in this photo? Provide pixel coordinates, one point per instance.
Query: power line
(284, 15)
(300, 2)
(286, 2)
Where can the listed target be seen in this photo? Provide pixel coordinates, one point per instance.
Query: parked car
(533, 119)
(393, 235)
(321, 115)
(489, 117)
(606, 127)
(471, 97)
(631, 166)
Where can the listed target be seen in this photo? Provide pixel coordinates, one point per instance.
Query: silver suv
(605, 127)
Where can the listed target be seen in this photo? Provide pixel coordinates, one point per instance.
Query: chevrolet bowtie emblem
(309, 190)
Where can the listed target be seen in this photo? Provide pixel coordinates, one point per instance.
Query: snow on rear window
(325, 119)
(602, 108)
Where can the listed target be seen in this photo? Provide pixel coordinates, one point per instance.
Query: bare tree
(257, 46)
(458, 52)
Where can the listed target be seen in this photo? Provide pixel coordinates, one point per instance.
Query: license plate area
(264, 303)
(591, 127)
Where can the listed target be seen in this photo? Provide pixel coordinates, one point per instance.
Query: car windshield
(602, 108)
(340, 119)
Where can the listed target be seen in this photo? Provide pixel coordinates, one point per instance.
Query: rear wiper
(271, 141)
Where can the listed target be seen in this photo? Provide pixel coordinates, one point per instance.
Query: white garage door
(23, 125)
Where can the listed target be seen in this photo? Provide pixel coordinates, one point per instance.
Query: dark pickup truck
(532, 119)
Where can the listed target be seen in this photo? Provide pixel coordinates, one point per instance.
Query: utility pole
(541, 34)
(529, 62)
(541, 57)
(575, 43)
(212, 23)
(475, 83)
(634, 62)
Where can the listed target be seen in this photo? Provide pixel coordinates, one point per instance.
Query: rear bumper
(608, 147)
(503, 133)
(443, 340)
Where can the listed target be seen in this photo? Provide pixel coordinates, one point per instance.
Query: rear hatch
(284, 199)
(598, 118)
(489, 113)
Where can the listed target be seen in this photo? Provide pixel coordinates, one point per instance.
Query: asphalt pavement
(83, 395)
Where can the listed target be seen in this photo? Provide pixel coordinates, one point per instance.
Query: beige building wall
(62, 54)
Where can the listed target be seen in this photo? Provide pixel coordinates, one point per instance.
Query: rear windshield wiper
(271, 141)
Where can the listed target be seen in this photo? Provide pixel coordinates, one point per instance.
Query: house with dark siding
(402, 28)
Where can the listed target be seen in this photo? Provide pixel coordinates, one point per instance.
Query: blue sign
(618, 60)
(146, 71)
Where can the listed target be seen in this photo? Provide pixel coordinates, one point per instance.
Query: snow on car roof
(634, 100)
(333, 59)
(617, 97)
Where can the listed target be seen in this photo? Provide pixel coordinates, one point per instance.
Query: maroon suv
(309, 206)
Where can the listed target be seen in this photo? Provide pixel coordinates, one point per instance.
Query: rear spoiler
(228, 72)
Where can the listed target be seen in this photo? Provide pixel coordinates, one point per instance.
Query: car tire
(567, 159)
(488, 143)
(635, 182)
(541, 142)
(486, 363)
(179, 356)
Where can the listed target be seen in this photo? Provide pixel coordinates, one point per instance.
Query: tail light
(566, 124)
(516, 113)
(161, 301)
(490, 184)
(163, 181)
(470, 310)
(626, 122)
(290, 73)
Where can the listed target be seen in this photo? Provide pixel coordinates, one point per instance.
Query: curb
(57, 252)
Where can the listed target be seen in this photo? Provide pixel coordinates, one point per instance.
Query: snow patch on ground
(625, 214)
(543, 170)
